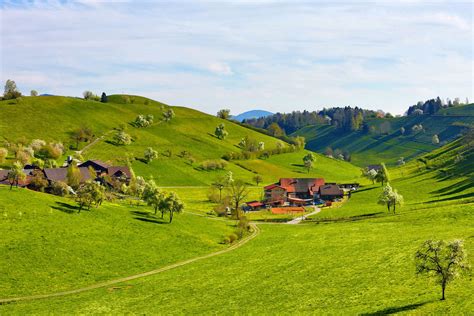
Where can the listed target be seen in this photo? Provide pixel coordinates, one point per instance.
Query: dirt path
(300, 218)
(255, 233)
(95, 141)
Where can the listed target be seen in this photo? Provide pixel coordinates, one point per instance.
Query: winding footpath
(240, 243)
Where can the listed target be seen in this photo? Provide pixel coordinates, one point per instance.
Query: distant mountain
(251, 114)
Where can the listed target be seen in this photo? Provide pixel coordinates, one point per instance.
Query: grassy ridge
(370, 149)
(54, 118)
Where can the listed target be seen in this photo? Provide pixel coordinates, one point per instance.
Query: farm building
(294, 190)
(330, 192)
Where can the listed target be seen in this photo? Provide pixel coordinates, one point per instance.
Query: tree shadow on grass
(394, 310)
(148, 217)
(66, 208)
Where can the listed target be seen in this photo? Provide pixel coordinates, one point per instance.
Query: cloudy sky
(243, 55)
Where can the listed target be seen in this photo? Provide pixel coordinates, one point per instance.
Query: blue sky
(242, 55)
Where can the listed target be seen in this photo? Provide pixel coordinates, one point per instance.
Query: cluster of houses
(101, 170)
(301, 191)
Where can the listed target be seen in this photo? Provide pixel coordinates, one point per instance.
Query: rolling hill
(372, 148)
(54, 119)
(356, 259)
(251, 114)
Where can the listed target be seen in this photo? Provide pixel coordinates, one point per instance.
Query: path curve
(300, 218)
(255, 233)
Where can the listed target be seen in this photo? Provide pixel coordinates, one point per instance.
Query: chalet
(120, 173)
(60, 174)
(100, 167)
(330, 192)
(298, 191)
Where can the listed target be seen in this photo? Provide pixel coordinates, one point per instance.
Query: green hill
(356, 259)
(55, 118)
(375, 147)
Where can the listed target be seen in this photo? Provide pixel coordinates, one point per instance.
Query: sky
(274, 55)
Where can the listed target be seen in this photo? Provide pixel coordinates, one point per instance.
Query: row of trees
(432, 106)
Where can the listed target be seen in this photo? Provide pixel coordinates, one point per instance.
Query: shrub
(209, 165)
(60, 188)
(233, 237)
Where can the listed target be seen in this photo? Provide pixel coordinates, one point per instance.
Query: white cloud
(272, 54)
(220, 68)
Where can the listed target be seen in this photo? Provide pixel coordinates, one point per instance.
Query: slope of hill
(371, 148)
(251, 114)
(54, 118)
(356, 259)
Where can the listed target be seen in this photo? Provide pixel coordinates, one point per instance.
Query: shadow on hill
(147, 217)
(348, 219)
(394, 310)
(366, 189)
(457, 197)
(66, 208)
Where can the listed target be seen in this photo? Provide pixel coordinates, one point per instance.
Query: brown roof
(99, 163)
(330, 189)
(301, 185)
(60, 174)
(115, 171)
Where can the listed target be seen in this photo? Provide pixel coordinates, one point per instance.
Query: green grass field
(353, 259)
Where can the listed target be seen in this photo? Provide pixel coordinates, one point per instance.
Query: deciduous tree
(238, 191)
(223, 114)
(150, 154)
(220, 131)
(441, 260)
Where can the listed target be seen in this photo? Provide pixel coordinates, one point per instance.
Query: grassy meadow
(355, 258)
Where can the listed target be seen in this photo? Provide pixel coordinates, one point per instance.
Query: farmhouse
(103, 172)
(294, 190)
(330, 192)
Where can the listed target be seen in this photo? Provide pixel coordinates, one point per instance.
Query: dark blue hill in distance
(251, 114)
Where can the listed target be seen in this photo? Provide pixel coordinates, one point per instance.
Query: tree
(168, 115)
(38, 181)
(328, 152)
(122, 138)
(88, 95)
(154, 197)
(11, 91)
(370, 174)
(441, 260)
(173, 204)
(89, 193)
(16, 174)
(150, 154)
(223, 114)
(73, 175)
(385, 198)
(103, 98)
(261, 146)
(258, 179)
(238, 191)
(275, 130)
(220, 131)
(402, 130)
(401, 161)
(382, 175)
(33, 93)
(3, 154)
(222, 182)
(435, 139)
(308, 164)
(390, 197)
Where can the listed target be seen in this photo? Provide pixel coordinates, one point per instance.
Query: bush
(232, 238)
(209, 165)
(60, 188)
